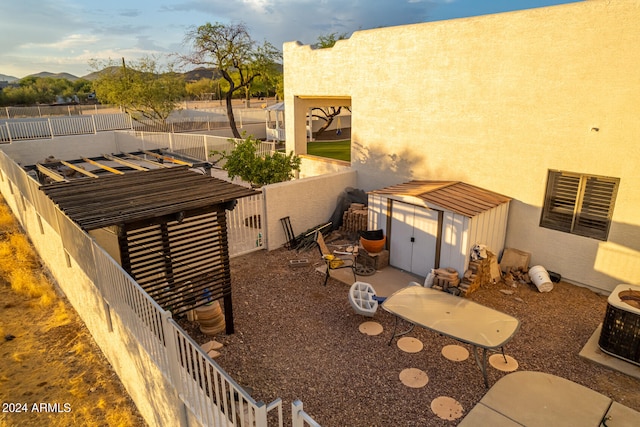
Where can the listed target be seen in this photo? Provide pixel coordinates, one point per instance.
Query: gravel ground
(296, 339)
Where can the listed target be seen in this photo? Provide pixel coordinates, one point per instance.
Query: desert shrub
(245, 162)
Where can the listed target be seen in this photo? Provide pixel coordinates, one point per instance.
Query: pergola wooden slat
(50, 173)
(124, 162)
(79, 169)
(101, 166)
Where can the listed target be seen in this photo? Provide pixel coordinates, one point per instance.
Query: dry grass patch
(48, 354)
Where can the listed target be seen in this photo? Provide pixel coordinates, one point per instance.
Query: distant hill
(189, 76)
(5, 78)
(201, 73)
(92, 76)
(55, 76)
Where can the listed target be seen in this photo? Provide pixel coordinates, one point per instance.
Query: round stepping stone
(414, 377)
(454, 352)
(497, 361)
(446, 408)
(370, 328)
(410, 344)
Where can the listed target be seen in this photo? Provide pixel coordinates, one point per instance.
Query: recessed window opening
(579, 203)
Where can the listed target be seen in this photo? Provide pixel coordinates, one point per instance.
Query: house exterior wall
(496, 101)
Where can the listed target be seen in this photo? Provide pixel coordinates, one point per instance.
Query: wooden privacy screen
(172, 231)
(182, 263)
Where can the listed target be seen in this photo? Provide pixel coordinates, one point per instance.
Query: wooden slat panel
(175, 265)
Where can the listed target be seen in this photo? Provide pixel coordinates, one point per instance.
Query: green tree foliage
(141, 87)
(329, 40)
(45, 90)
(202, 89)
(230, 49)
(245, 163)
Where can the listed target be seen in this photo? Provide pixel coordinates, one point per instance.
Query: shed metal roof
(464, 199)
(140, 195)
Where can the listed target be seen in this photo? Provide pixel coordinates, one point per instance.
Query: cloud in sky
(62, 35)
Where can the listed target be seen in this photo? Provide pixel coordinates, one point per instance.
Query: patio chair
(333, 261)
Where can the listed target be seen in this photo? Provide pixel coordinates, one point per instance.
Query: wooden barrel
(210, 318)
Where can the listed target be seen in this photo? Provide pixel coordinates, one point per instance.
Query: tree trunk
(230, 116)
(326, 124)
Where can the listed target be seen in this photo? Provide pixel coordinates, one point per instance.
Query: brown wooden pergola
(169, 228)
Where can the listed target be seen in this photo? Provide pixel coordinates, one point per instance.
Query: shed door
(414, 237)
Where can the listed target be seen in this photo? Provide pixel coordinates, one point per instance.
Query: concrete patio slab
(592, 352)
(540, 399)
(621, 416)
(385, 281)
(488, 416)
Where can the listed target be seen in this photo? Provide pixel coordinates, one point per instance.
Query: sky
(66, 35)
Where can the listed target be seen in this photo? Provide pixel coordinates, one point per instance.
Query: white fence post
(95, 127)
(50, 127)
(173, 359)
(299, 417)
(204, 145)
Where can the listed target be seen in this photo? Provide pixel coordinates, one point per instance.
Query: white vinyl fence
(197, 146)
(47, 128)
(208, 393)
(32, 126)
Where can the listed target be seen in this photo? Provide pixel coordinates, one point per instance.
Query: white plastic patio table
(455, 317)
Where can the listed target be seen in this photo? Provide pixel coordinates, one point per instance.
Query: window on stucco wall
(579, 203)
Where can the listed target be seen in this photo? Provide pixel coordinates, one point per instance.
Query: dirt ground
(296, 339)
(51, 372)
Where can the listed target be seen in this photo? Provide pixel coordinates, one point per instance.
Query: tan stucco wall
(497, 101)
(314, 199)
(63, 147)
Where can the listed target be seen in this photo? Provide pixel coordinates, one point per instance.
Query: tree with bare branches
(327, 115)
(231, 50)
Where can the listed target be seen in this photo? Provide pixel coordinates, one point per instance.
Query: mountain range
(193, 75)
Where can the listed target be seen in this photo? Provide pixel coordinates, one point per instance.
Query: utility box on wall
(433, 224)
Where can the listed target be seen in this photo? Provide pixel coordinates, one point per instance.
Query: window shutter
(560, 204)
(594, 216)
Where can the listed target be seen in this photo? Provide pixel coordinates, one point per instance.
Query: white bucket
(540, 277)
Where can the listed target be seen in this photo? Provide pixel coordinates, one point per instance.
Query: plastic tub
(540, 277)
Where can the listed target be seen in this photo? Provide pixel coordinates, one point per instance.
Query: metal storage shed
(433, 224)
